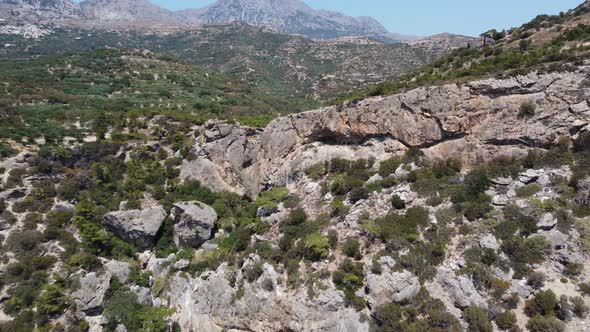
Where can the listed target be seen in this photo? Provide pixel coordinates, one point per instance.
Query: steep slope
(545, 43)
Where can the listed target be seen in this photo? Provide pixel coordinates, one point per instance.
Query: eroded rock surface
(476, 121)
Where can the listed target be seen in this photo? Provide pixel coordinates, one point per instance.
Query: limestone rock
(406, 193)
(468, 120)
(530, 176)
(390, 286)
(93, 291)
(194, 223)
(208, 303)
(118, 269)
(181, 264)
(501, 181)
(136, 226)
(460, 290)
(488, 241)
(547, 222)
(143, 295)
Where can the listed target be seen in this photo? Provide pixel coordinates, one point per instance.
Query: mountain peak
(286, 16)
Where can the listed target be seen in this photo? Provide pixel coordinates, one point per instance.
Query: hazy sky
(427, 17)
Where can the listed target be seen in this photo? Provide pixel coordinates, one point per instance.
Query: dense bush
(389, 166)
(477, 319)
(349, 278)
(544, 304)
(351, 248)
(123, 308)
(397, 202)
(545, 324)
(506, 320)
(315, 247)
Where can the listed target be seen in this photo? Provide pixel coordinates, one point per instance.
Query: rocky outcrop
(459, 290)
(194, 223)
(139, 227)
(477, 121)
(211, 303)
(389, 286)
(92, 293)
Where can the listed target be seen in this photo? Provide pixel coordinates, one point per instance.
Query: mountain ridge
(284, 16)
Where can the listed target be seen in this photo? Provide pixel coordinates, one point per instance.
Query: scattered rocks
(194, 223)
(139, 227)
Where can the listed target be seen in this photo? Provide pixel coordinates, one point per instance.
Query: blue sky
(426, 17)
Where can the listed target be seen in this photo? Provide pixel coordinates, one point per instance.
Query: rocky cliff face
(476, 121)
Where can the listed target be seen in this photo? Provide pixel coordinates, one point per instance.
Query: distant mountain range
(284, 16)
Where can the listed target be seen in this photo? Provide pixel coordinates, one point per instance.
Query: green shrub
(389, 317)
(528, 190)
(476, 182)
(333, 238)
(506, 320)
(316, 246)
(545, 324)
(349, 278)
(527, 110)
(123, 308)
(317, 171)
(544, 304)
(389, 166)
(398, 203)
(477, 319)
(358, 194)
(478, 208)
(342, 185)
(271, 198)
(351, 248)
(6, 150)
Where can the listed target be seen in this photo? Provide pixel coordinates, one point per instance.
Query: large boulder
(92, 293)
(138, 227)
(194, 223)
(390, 286)
(460, 291)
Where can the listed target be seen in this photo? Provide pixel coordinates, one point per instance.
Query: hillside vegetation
(547, 43)
(53, 97)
